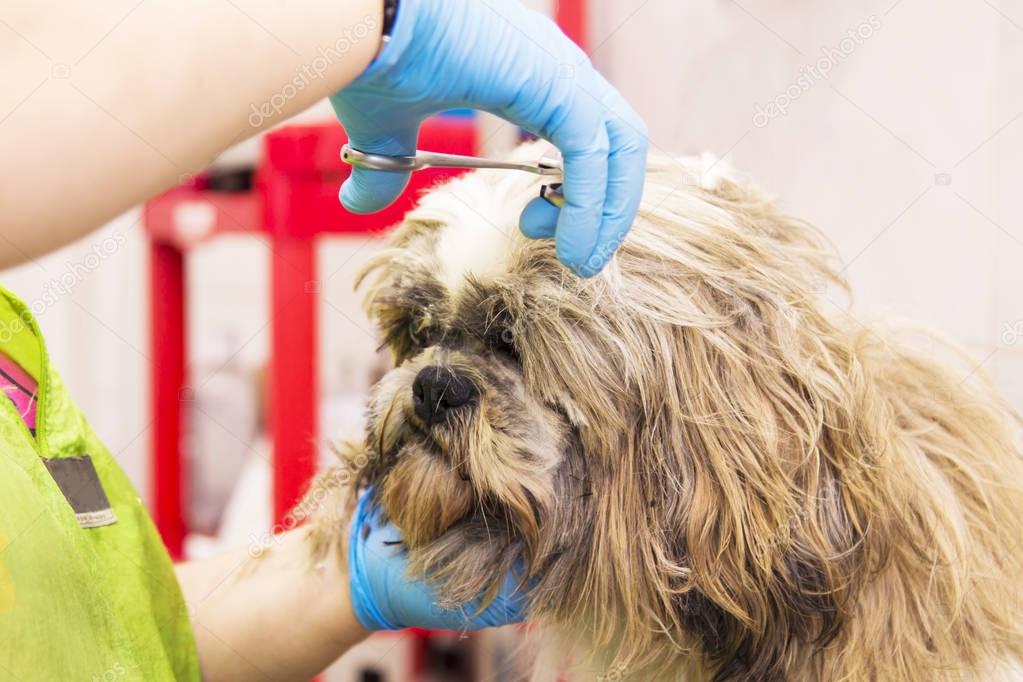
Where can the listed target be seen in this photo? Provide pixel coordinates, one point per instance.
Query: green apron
(82, 597)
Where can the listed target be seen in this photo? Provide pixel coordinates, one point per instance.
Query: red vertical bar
(167, 370)
(420, 649)
(572, 17)
(293, 385)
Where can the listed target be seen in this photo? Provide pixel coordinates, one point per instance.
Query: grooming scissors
(423, 159)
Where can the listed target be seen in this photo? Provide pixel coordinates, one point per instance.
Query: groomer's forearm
(170, 87)
(274, 617)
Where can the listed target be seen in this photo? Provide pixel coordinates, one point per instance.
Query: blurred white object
(247, 516)
(193, 222)
(223, 422)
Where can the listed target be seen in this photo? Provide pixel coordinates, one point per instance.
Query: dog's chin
(423, 496)
(425, 491)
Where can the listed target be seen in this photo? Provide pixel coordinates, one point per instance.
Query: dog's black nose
(437, 391)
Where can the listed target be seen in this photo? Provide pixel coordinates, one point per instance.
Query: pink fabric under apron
(21, 389)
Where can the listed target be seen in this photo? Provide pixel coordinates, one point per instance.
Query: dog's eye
(419, 331)
(406, 337)
(504, 343)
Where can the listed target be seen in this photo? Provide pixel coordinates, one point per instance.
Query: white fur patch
(470, 247)
(480, 214)
(714, 169)
(707, 170)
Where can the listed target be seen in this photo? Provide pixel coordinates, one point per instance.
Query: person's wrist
(332, 616)
(345, 620)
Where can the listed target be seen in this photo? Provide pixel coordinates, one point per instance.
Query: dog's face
(475, 431)
(461, 427)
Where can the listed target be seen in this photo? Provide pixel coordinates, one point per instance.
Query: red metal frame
(573, 18)
(167, 342)
(293, 419)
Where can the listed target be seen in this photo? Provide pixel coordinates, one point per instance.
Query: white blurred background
(907, 153)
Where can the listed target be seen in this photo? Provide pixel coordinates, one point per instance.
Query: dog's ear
(739, 487)
(724, 446)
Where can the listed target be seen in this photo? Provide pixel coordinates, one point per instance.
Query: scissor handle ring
(358, 159)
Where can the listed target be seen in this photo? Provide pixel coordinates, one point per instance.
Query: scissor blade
(360, 159)
(544, 166)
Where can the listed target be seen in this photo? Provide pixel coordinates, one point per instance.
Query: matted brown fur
(710, 469)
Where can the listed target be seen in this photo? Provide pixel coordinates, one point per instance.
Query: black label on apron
(77, 479)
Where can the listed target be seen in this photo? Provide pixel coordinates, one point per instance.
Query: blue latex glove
(498, 56)
(383, 596)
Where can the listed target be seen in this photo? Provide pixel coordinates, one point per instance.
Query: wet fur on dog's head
(707, 469)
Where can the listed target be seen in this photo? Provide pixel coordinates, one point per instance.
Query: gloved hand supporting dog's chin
(506, 59)
(385, 598)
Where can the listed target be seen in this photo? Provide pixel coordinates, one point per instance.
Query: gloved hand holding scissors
(502, 58)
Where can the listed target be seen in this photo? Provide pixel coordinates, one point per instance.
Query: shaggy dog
(708, 469)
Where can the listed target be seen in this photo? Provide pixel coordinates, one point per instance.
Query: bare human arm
(95, 117)
(270, 617)
(94, 125)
